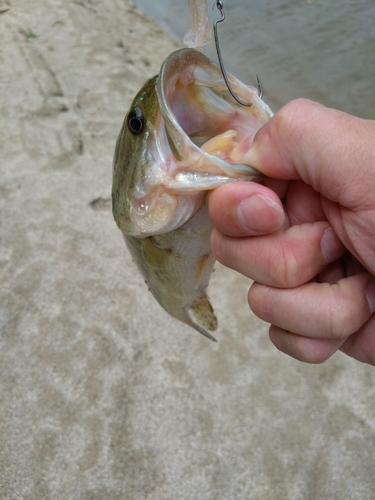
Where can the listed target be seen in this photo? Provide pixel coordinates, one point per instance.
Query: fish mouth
(198, 141)
(199, 113)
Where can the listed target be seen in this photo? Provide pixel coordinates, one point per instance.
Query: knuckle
(287, 269)
(314, 351)
(290, 114)
(342, 321)
(336, 320)
(289, 123)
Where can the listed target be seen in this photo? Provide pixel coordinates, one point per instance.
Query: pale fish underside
(183, 136)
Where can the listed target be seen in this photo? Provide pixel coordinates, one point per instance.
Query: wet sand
(102, 394)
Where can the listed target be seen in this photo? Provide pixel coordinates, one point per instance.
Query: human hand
(311, 255)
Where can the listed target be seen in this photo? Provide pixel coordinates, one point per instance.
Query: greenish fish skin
(163, 171)
(129, 161)
(177, 267)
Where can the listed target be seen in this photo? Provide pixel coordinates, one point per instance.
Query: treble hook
(220, 6)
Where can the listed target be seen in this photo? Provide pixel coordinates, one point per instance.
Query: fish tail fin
(202, 317)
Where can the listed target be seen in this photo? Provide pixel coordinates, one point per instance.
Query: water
(300, 48)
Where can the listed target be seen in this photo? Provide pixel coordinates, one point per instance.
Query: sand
(102, 394)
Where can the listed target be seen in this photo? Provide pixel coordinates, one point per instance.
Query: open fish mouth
(200, 115)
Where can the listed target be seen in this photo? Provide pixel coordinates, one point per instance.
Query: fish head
(183, 136)
(133, 159)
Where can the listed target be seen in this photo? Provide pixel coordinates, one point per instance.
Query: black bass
(183, 136)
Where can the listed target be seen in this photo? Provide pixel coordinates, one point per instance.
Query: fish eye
(136, 121)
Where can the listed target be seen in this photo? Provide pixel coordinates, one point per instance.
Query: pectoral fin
(202, 317)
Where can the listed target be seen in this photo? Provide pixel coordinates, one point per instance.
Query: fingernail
(370, 295)
(330, 245)
(255, 217)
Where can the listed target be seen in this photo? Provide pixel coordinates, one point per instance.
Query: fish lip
(172, 66)
(178, 61)
(170, 71)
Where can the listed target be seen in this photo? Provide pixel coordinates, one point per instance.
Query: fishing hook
(220, 6)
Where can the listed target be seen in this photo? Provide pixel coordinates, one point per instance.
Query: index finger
(326, 148)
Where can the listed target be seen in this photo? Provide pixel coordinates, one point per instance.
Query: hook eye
(135, 121)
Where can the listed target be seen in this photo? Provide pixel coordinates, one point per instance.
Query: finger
(284, 259)
(355, 228)
(305, 140)
(245, 208)
(317, 310)
(361, 345)
(303, 204)
(309, 350)
(346, 266)
(279, 187)
(332, 273)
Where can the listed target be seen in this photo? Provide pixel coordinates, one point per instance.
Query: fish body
(177, 268)
(183, 136)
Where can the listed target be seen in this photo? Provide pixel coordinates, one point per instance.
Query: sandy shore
(102, 394)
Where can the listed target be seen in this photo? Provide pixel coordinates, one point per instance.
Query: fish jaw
(197, 109)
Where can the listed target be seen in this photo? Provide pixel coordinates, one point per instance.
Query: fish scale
(183, 136)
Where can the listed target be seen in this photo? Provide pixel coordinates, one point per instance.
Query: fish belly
(177, 267)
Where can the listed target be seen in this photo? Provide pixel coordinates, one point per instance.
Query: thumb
(327, 149)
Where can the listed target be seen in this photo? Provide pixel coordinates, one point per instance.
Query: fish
(183, 136)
